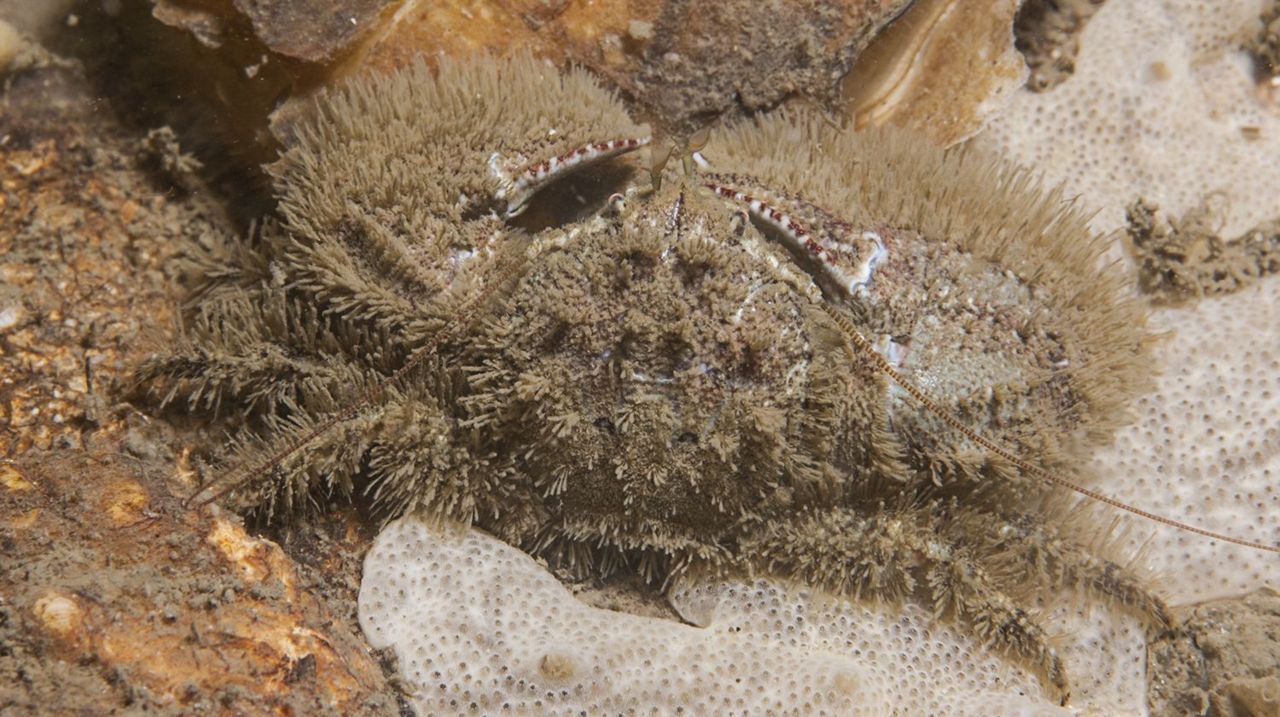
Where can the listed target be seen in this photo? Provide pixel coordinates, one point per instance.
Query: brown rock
(86, 231)
(114, 596)
(307, 30)
(160, 607)
(682, 63)
(1225, 662)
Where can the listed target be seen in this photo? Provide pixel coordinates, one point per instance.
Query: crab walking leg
(846, 256)
(1056, 562)
(961, 585)
(889, 555)
(519, 180)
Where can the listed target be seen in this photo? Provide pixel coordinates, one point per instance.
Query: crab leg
(516, 184)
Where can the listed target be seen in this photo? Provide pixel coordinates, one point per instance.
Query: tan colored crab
(721, 370)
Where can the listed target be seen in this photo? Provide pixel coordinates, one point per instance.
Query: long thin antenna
(934, 407)
(796, 237)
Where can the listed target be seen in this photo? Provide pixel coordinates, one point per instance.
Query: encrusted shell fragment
(942, 69)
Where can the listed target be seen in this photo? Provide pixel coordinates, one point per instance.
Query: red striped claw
(846, 256)
(519, 180)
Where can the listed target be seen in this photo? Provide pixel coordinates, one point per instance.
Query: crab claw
(846, 256)
(519, 181)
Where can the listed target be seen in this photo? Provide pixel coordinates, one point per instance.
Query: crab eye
(606, 425)
(687, 437)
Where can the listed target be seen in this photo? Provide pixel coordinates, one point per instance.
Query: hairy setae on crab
(802, 351)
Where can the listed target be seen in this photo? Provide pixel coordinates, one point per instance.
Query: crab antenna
(865, 347)
(798, 236)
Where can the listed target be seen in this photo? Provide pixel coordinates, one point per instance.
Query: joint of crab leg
(515, 187)
(658, 158)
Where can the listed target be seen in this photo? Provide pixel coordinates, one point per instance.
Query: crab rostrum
(675, 369)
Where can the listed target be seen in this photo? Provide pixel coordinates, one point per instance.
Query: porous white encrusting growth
(1206, 445)
(478, 626)
(1163, 104)
(1105, 653)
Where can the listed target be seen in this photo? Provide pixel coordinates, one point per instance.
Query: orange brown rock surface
(117, 595)
(681, 63)
(114, 595)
